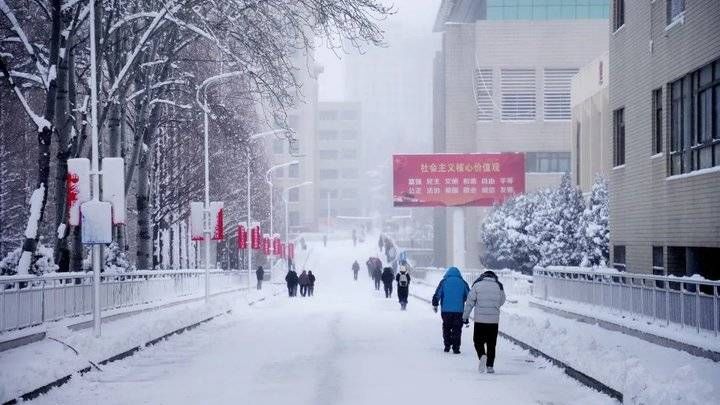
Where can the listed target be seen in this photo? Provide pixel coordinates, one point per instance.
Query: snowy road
(347, 345)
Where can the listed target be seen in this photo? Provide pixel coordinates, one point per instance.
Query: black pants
(292, 290)
(303, 290)
(452, 329)
(388, 290)
(403, 293)
(355, 274)
(259, 284)
(311, 290)
(485, 334)
(377, 284)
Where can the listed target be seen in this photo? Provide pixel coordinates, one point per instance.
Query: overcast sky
(416, 18)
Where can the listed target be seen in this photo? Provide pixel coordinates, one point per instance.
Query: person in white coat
(486, 297)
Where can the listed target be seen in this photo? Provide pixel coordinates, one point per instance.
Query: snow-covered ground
(347, 345)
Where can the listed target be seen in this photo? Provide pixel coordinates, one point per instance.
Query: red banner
(242, 237)
(457, 180)
(276, 246)
(266, 245)
(255, 237)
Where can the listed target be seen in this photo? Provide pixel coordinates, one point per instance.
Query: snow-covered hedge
(549, 227)
(42, 263)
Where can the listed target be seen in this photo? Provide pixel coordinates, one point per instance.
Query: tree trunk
(64, 127)
(142, 199)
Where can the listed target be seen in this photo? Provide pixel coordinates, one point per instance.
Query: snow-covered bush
(550, 227)
(116, 260)
(42, 261)
(594, 234)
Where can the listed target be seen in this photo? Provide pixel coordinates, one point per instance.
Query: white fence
(514, 283)
(689, 302)
(31, 300)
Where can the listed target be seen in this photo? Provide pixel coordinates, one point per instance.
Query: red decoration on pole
(256, 238)
(242, 237)
(291, 251)
(283, 250)
(219, 231)
(266, 245)
(276, 245)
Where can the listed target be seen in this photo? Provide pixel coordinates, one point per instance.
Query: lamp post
(249, 192)
(286, 198)
(267, 180)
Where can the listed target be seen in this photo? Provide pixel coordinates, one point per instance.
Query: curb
(571, 372)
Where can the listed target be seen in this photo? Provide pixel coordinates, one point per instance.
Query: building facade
(502, 84)
(590, 133)
(665, 103)
(339, 178)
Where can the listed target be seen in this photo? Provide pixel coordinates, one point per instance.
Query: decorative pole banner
(266, 244)
(196, 221)
(291, 251)
(242, 236)
(78, 188)
(276, 245)
(256, 237)
(216, 220)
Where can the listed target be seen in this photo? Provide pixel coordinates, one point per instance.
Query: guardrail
(686, 301)
(515, 283)
(32, 300)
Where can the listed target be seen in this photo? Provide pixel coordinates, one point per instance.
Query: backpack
(403, 280)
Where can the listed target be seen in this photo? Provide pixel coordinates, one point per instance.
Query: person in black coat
(311, 286)
(387, 278)
(260, 274)
(355, 269)
(292, 283)
(377, 276)
(403, 288)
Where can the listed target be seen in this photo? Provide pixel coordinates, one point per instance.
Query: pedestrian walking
(355, 269)
(260, 275)
(387, 278)
(292, 282)
(311, 286)
(324, 240)
(486, 296)
(377, 274)
(354, 237)
(451, 294)
(304, 282)
(403, 286)
(381, 243)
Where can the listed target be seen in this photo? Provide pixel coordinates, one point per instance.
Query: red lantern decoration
(277, 245)
(291, 251)
(256, 236)
(242, 237)
(266, 245)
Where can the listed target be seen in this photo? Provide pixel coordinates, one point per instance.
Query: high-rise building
(502, 84)
(665, 103)
(339, 182)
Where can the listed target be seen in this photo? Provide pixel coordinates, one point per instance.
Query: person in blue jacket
(451, 294)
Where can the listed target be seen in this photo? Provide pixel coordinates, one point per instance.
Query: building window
(349, 193)
(658, 266)
(328, 174)
(294, 195)
(695, 120)
(294, 171)
(547, 162)
(349, 154)
(328, 154)
(518, 94)
(556, 93)
(619, 257)
(619, 137)
(546, 9)
(484, 94)
(349, 114)
(349, 134)
(350, 173)
(328, 115)
(675, 10)
(327, 135)
(278, 146)
(657, 128)
(618, 14)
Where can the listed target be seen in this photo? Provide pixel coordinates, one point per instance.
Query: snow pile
(42, 262)
(549, 227)
(116, 260)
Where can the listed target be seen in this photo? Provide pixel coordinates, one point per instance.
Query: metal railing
(514, 283)
(689, 302)
(32, 300)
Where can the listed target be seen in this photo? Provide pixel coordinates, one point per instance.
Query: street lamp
(286, 196)
(267, 180)
(249, 192)
(206, 211)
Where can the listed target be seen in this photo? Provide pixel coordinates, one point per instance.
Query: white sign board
(196, 221)
(78, 188)
(113, 187)
(96, 221)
